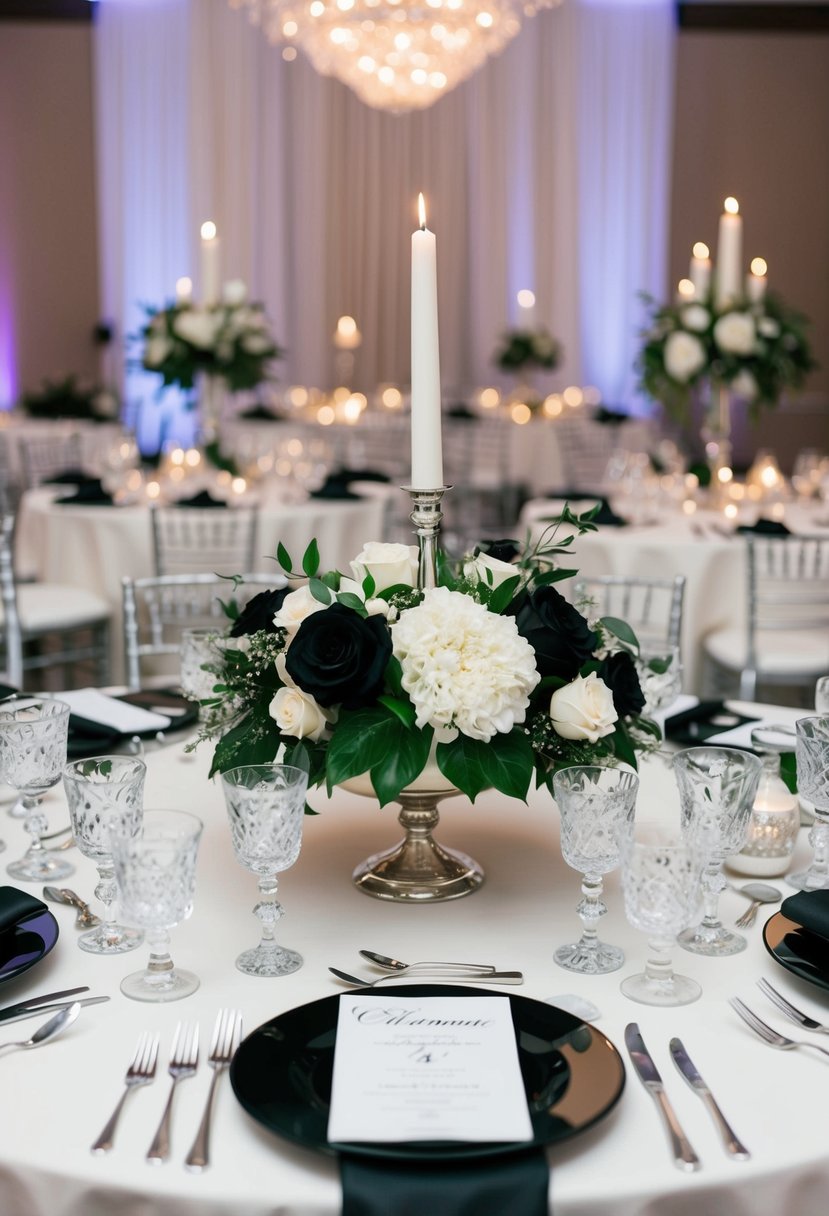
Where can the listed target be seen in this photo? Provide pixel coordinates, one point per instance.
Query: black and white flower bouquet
(231, 339)
(527, 349)
(492, 676)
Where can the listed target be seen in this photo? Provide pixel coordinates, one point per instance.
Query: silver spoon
(394, 964)
(463, 977)
(759, 893)
(57, 1023)
(86, 918)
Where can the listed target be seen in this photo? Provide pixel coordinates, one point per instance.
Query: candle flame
(421, 210)
(347, 326)
(686, 288)
(759, 266)
(208, 231)
(526, 298)
(701, 250)
(731, 205)
(184, 286)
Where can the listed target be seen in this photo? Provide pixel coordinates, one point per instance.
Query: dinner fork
(184, 1060)
(226, 1035)
(772, 1037)
(140, 1072)
(791, 1011)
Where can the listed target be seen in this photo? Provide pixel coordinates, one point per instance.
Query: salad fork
(226, 1036)
(772, 1037)
(184, 1060)
(790, 1010)
(140, 1072)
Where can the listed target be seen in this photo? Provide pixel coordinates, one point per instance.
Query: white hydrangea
(696, 317)
(736, 334)
(465, 669)
(684, 355)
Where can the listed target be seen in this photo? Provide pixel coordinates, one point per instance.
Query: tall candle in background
(210, 274)
(757, 282)
(700, 270)
(184, 290)
(729, 254)
(427, 451)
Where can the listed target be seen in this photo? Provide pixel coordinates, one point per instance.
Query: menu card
(97, 706)
(426, 1068)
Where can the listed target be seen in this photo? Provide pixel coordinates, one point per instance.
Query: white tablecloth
(94, 547)
(55, 1100)
(96, 437)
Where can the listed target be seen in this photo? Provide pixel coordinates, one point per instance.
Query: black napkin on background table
(606, 517)
(695, 725)
(88, 494)
(17, 906)
(336, 486)
(462, 412)
(810, 910)
(765, 527)
(204, 499)
(261, 413)
(479, 1186)
(351, 474)
(70, 477)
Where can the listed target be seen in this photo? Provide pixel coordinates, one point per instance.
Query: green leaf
(788, 771)
(319, 591)
(331, 578)
(553, 576)
(349, 600)
(623, 745)
(254, 740)
(394, 677)
(311, 559)
(404, 710)
(620, 629)
(299, 757)
(284, 558)
(369, 586)
(504, 763)
(375, 740)
(502, 595)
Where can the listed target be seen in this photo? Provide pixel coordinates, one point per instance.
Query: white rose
(296, 606)
(583, 709)
(768, 327)
(475, 569)
(744, 385)
(157, 349)
(256, 344)
(298, 715)
(197, 326)
(695, 317)
(388, 565)
(735, 333)
(684, 355)
(234, 292)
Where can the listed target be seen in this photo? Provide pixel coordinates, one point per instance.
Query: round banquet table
(95, 546)
(56, 1100)
(703, 547)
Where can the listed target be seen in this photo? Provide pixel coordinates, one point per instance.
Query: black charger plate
(26, 943)
(803, 953)
(281, 1074)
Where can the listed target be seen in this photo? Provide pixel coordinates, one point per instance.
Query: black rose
(558, 633)
(620, 675)
(258, 613)
(339, 657)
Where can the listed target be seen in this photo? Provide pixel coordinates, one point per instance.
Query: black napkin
(765, 527)
(606, 517)
(204, 499)
(88, 494)
(478, 1187)
(70, 477)
(810, 909)
(261, 413)
(695, 725)
(87, 738)
(462, 412)
(17, 906)
(6, 690)
(336, 486)
(351, 474)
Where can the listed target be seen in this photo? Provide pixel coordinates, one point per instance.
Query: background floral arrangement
(231, 339)
(492, 674)
(754, 348)
(527, 348)
(69, 399)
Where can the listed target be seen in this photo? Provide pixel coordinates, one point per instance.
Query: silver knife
(686, 1066)
(684, 1156)
(18, 1013)
(10, 1011)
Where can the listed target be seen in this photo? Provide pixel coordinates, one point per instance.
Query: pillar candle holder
(426, 516)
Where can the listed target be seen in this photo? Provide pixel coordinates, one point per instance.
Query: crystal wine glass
(156, 874)
(661, 885)
(266, 808)
(33, 735)
(594, 803)
(812, 759)
(199, 648)
(822, 695)
(717, 786)
(99, 791)
(660, 676)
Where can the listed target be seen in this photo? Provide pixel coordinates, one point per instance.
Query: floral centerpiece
(755, 349)
(231, 339)
(68, 398)
(492, 676)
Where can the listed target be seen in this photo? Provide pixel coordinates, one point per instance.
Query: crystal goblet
(812, 759)
(660, 676)
(200, 656)
(33, 735)
(266, 808)
(101, 790)
(156, 874)
(661, 885)
(822, 695)
(593, 802)
(717, 786)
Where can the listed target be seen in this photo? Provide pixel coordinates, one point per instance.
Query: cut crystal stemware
(33, 735)
(812, 757)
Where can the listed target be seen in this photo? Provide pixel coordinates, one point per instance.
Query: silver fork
(226, 1035)
(772, 1037)
(184, 1060)
(140, 1072)
(791, 1011)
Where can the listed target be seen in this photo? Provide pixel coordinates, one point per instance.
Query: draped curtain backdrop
(548, 169)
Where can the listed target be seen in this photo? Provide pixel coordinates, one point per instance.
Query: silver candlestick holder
(426, 516)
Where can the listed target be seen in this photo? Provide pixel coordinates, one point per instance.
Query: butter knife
(684, 1156)
(686, 1066)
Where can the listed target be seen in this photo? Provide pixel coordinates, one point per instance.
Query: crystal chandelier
(395, 54)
